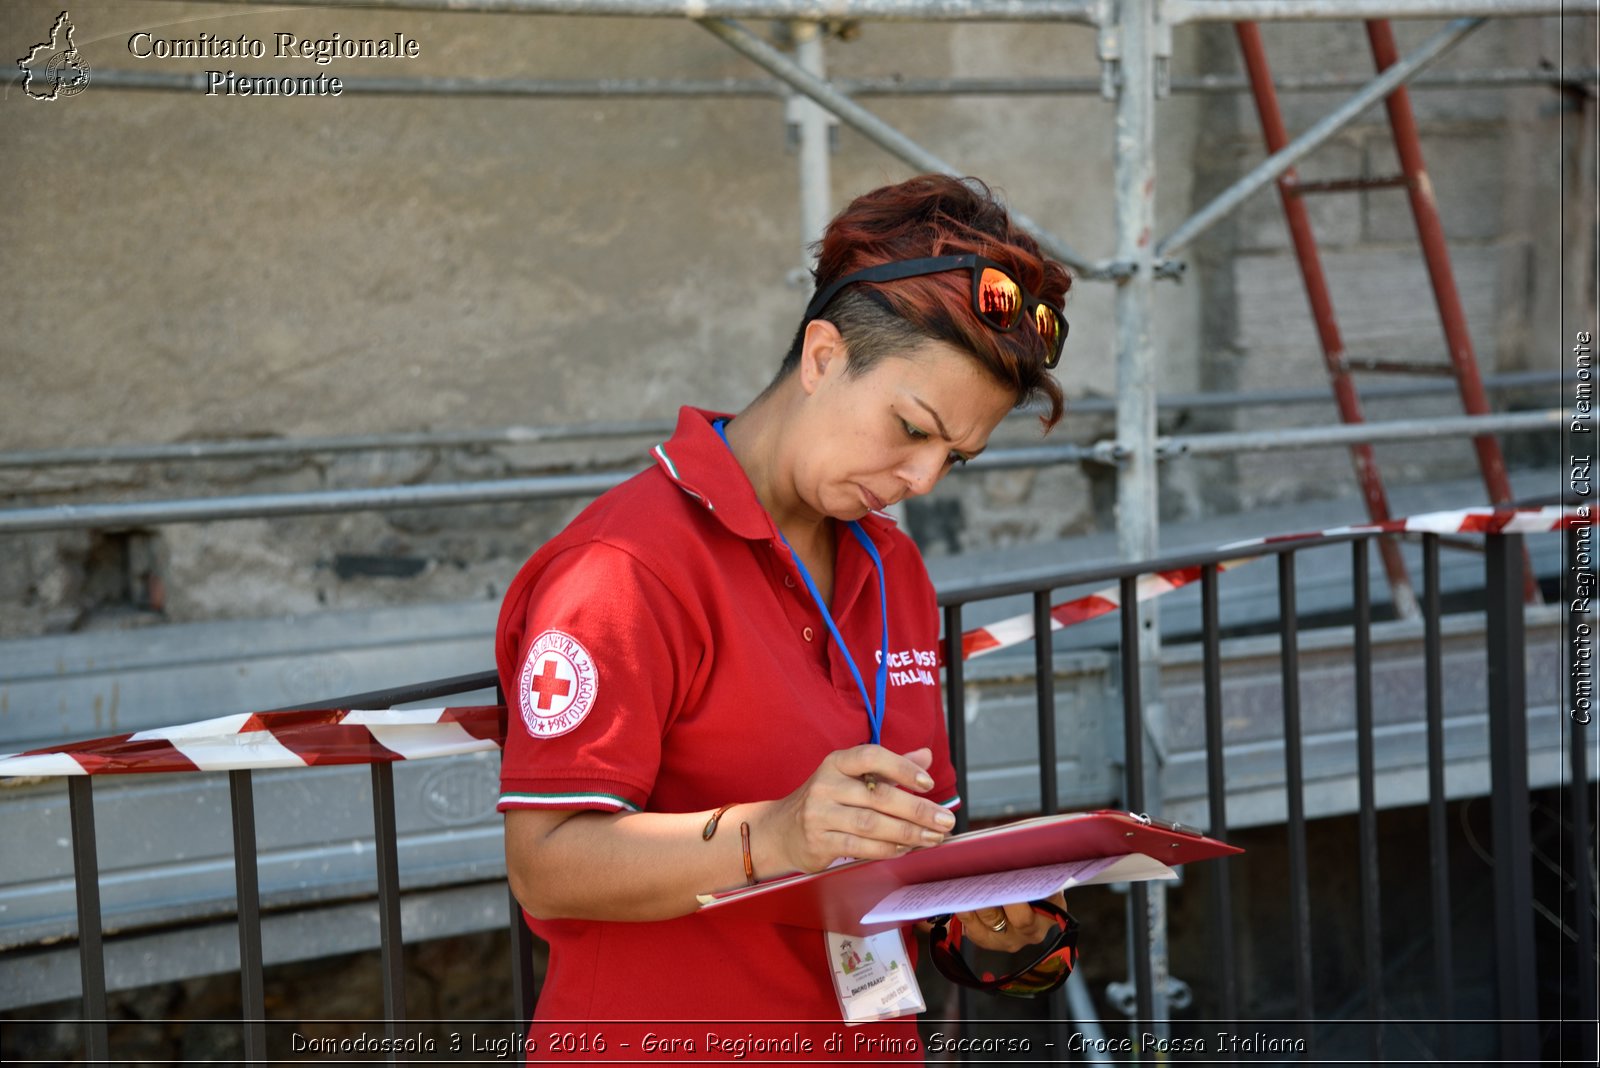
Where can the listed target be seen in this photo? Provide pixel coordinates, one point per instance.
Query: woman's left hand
(1007, 928)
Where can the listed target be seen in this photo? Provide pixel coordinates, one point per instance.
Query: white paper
(1006, 887)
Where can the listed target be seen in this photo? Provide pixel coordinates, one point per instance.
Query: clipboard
(836, 898)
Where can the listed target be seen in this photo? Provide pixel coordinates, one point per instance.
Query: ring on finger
(1000, 928)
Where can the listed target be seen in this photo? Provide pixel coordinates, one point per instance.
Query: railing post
(1217, 793)
(956, 726)
(1508, 799)
(524, 992)
(1580, 702)
(386, 848)
(1044, 681)
(1140, 921)
(91, 953)
(1438, 827)
(1367, 810)
(1295, 796)
(247, 894)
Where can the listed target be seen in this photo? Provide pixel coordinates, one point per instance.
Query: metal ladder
(1463, 365)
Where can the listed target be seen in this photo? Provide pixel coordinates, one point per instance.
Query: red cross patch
(558, 684)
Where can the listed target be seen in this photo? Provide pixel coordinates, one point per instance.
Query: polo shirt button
(788, 580)
(806, 634)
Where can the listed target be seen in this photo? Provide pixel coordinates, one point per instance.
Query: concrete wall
(194, 268)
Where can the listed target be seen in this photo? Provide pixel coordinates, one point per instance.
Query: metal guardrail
(1516, 985)
(555, 487)
(256, 448)
(681, 88)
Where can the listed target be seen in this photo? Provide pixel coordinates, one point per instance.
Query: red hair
(936, 215)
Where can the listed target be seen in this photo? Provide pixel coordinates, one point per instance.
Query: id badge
(872, 976)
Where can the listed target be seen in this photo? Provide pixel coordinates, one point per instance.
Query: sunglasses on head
(1053, 959)
(997, 298)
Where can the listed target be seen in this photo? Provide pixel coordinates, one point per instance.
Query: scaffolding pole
(1086, 12)
(1182, 11)
(171, 81)
(1083, 12)
(813, 126)
(1138, 477)
(758, 51)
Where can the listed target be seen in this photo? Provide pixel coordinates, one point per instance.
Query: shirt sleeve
(606, 656)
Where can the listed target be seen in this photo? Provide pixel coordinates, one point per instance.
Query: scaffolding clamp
(1106, 16)
(1110, 453)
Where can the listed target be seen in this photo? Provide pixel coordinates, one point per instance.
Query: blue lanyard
(875, 710)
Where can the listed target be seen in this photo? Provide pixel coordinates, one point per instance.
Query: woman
(737, 640)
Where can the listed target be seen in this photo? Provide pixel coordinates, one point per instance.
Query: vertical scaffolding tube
(1137, 479)
(812, 123)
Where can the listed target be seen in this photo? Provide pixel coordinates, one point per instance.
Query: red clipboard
(835, 899)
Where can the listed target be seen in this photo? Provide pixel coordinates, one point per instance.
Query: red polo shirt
(662, 654)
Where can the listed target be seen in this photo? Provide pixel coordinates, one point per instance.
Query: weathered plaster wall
(195, 268)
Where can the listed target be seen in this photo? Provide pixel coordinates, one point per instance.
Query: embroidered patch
(558, 684)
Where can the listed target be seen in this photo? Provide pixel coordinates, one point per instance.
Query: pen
(871, 780)
(1166, 825)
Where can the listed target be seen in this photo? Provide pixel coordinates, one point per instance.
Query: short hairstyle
(934, 215)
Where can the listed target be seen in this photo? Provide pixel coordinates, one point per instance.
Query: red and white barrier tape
(1018, 629)
(1465, 521)
(357, 736)
(275, 740)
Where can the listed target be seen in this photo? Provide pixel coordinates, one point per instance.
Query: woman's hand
(860, 803)
(1019, 926)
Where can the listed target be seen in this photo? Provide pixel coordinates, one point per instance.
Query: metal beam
(1316, 436)
(1182, 11)
(1342, 116)
(1080, 11)
(557, 487)
(1083, 12)
(757, 88)
(240, 448)
(1138, 72)
(758, 51)
(267, 505)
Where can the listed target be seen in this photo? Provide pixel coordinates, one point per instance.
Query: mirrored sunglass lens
(1044, 319)
(999, 298)
(1045, 974)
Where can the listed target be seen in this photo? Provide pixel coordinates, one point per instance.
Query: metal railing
(125, 514)
(1516, 986)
